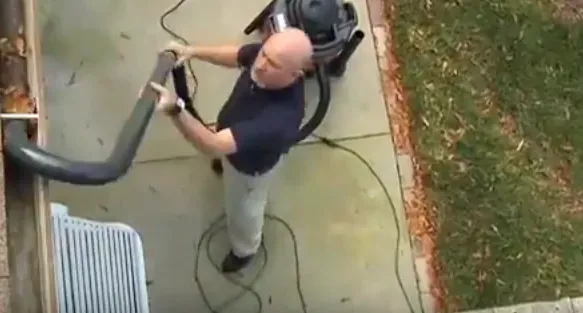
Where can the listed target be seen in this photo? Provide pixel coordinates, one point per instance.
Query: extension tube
(51, 166)
(323, 103)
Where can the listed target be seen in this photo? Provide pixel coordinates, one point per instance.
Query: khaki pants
(245, 203)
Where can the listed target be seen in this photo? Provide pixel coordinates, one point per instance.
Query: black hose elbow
(51, 166)
(181, 88)
(40, 162)
(323, 104)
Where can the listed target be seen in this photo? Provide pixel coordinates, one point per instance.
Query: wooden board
(43, 212)
(4, 268)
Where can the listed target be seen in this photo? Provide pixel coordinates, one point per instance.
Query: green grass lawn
(496, 91)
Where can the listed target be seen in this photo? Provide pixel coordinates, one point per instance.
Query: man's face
(271, 70)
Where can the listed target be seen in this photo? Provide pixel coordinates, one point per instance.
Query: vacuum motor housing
(328, 23)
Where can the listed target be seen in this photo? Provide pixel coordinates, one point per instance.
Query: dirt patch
(560, 177)
(569, 11)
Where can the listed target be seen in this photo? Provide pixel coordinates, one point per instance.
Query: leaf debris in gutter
(14, 99)
(14, 95)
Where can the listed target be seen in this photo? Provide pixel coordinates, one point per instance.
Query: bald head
(292, 47)
(283, 58)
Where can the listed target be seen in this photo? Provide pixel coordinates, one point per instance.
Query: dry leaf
(17, 101)
(20, 46)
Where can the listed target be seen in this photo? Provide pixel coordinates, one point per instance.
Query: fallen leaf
(482, 276)
(520, 145)
(20, 46)
(17, 101)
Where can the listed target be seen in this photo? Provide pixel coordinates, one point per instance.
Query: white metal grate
(99, 267)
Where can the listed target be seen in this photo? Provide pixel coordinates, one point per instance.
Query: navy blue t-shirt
(264, 123)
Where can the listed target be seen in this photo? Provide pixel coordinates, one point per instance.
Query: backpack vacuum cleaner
(330, 25)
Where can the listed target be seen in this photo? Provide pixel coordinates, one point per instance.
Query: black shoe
(233, 263)
(217, 167)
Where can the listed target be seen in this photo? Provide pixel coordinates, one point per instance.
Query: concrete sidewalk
(97, 54)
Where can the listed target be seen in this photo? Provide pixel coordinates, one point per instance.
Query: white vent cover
(99, 267)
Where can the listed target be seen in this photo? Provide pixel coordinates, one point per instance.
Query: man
(256, 126)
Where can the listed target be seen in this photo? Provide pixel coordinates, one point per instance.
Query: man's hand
(184, 52)
(166, 98)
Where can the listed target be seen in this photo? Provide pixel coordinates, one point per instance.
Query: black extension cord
(216, 226)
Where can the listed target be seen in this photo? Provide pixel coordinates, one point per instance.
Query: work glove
(184, 52)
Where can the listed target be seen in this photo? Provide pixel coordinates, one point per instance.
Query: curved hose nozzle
(54, 167)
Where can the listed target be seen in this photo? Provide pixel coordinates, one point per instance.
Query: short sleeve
(247, 54)
(272, 129)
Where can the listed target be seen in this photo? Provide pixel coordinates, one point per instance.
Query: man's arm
(210, 143)
(225, 55)
(228, 55)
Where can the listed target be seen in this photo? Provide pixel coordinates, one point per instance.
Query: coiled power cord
(216, 226)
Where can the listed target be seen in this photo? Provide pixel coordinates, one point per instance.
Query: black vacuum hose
(29, 155)
(322, 106)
